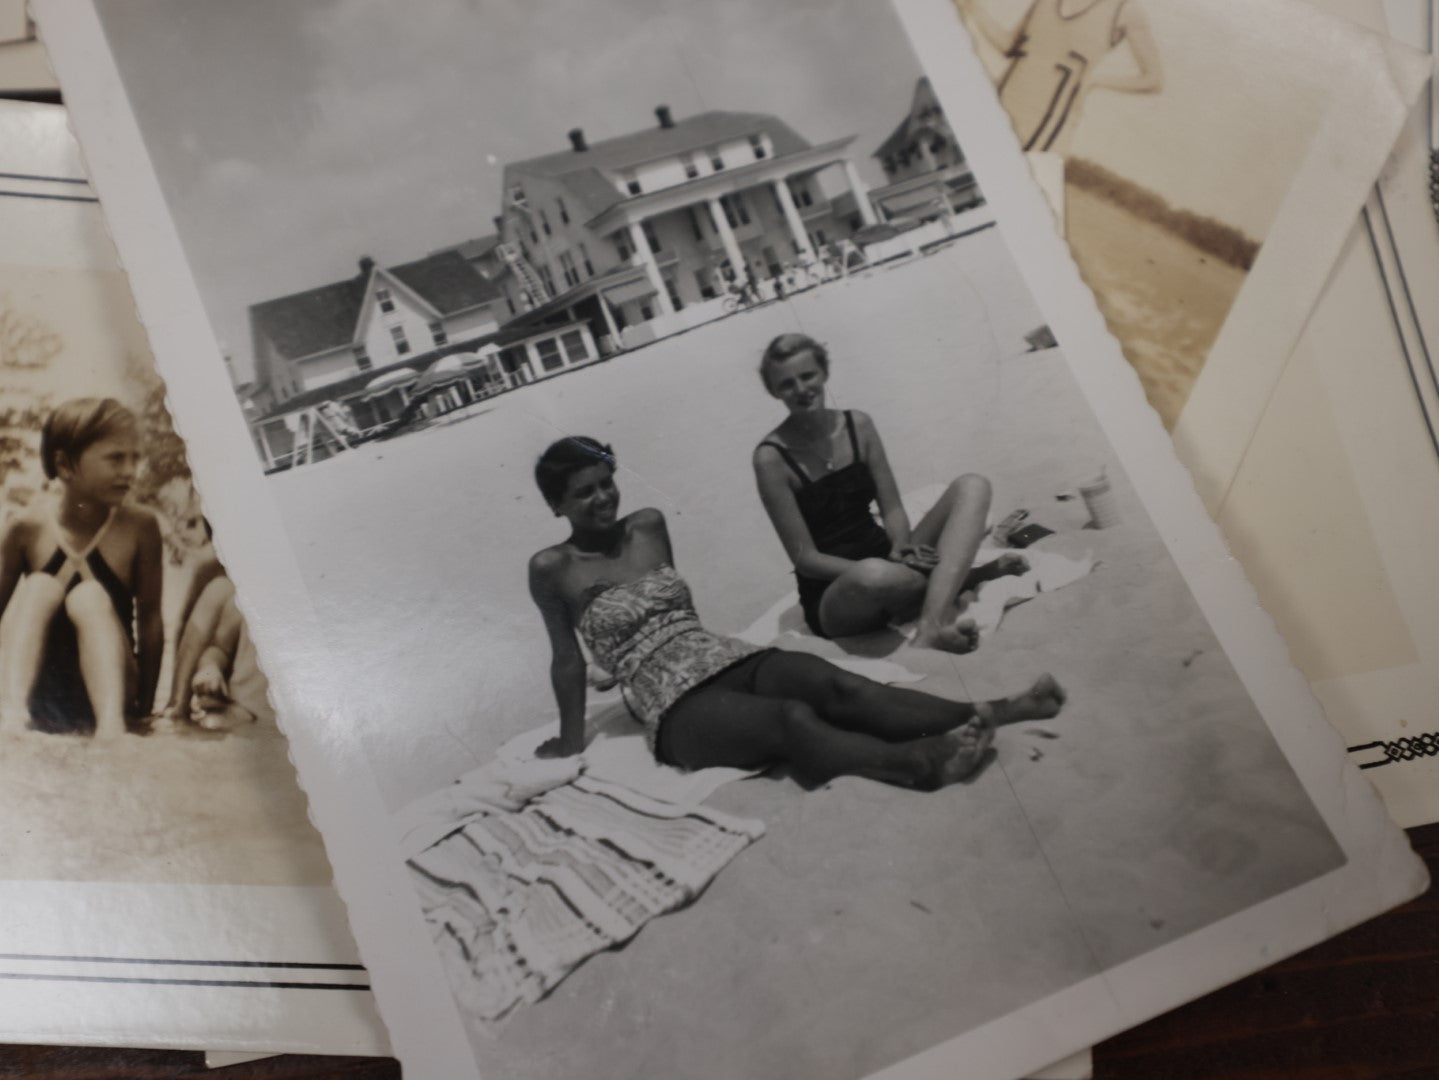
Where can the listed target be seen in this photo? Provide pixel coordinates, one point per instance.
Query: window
(585, 258)
(534, 236)
(646, 313)
(691, 169)
(694, 222)
(402, 344)
(517, 193)
(716, 162)
(549, 351)
(362, 357)
(802, 196)
(674, 294)
(819, 235)
(735, 210)
(888, 165)
(510, 304)
(564, 214)
(437, 331)
(650, 236)
(548, 278)
(756, 143)
(567, 268)
(632, 183)
(574, 343)
(705, 283)
(623, 247)
(383, 298)
(545, 223)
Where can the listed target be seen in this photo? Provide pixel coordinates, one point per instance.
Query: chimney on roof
(366, 265)
(577, 140)
(663, 113)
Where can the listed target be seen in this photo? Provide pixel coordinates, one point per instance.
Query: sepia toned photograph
(736, 643)
(1179, 130)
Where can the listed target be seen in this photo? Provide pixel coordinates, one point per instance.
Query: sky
(292, 137)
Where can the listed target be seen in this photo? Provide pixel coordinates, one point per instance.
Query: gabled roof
(583, 171)
(477, 248)
(901, 136)
(327, 317)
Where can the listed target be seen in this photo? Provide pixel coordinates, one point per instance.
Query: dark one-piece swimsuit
(59, 702)
(836, 507)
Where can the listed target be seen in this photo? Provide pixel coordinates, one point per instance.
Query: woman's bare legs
(210, 686)
(716, 726)
(198, 632)
(869, 596)
(954, 527)
(104, 655)
(33, 604)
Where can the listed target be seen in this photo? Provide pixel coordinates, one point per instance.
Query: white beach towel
(517, 898)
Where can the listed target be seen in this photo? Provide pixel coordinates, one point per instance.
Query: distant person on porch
(1053, 53)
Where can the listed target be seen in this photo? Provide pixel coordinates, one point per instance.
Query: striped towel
(517, 900)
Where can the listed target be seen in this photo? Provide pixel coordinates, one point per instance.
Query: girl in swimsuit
(80, 584)
(708, 700)
(818, 474)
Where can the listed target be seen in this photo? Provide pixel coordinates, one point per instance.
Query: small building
(927, 172)
(627, 234)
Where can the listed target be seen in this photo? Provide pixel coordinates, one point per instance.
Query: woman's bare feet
(1041, 701)
(955, 755)
(1009, 564)
(960, 636)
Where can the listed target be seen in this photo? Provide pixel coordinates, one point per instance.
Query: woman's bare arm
(12, 561)
(1149, 78)
(772, 476)
(567, 663)
(891, 506)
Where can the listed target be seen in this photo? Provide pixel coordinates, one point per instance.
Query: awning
(632, 290)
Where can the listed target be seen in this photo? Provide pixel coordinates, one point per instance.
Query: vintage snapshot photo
(731, 606)
(148, 808)
(1340, 484)
(1212, 156)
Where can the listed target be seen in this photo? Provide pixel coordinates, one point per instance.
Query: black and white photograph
(713, 606)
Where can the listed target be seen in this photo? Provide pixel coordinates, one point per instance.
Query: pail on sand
(1099, 500)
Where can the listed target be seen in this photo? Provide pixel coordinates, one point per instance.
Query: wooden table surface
(1364, 1006)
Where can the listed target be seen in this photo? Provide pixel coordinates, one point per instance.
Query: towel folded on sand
(517, 898)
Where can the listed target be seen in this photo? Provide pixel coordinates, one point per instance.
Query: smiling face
(798, 381)
(105, 470)
(591, 499)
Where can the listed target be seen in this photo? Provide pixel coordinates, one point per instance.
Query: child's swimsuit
(646, 633)
(59, 702)
(836, 507)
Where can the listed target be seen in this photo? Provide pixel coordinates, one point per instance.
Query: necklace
(810, 446)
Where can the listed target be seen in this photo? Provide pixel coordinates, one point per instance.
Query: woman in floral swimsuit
(707, 700)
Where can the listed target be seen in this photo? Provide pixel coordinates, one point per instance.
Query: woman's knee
(38, 591)
(971, 487)
(798, 721)
(88, 603)
(885, 578)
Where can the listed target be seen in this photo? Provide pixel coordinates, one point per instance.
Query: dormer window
(386, 302)
(564, 214)
(517, 193)
(756, 143)
(716, 162)
(632, 184)
(692, 170)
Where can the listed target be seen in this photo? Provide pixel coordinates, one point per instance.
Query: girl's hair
(78, 424)
(789, 345)
(565, 457)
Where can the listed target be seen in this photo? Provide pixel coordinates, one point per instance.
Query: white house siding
(414, 320)
(466, 325)
(670, 172)
(326, 368)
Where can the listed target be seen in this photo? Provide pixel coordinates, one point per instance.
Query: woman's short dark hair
(78, 424)
(565, 457)
(790, 345)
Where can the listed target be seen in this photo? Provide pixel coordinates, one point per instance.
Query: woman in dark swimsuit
(709, 700)
(819, 472)
(80, 584)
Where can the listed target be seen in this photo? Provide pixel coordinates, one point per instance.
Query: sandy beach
(1164, 299)
(868, 923)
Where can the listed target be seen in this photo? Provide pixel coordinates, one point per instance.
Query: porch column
(532, 361)
(861, 193)
(609, 315)
(726, 235)
(791, 216)
(652, 269)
